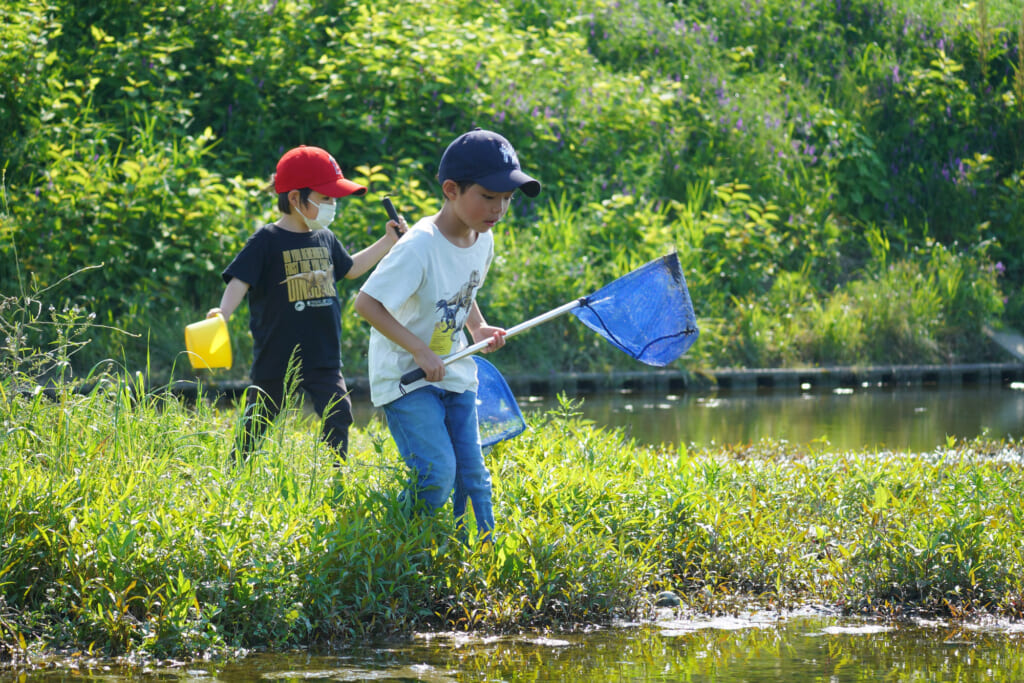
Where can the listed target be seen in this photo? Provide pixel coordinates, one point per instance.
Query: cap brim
(510, 180)
(341, 187)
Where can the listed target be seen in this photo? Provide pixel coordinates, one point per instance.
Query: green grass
(125, 529)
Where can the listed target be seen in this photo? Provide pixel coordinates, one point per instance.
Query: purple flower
(1000, 268)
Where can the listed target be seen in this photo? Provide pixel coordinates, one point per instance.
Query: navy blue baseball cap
(487, 159)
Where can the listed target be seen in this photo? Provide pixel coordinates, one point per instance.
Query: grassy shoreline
(125, 530)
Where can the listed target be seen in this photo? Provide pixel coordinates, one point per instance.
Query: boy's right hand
(431, 364)
(397, 223)
(397, 228)
(213, 312)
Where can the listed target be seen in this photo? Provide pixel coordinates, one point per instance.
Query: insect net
(498, 413)
(646, 313)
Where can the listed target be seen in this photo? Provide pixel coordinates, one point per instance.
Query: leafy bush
(133, 211)
(763, 141)
(926, 308)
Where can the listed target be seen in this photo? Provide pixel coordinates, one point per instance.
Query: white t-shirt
(428, 284)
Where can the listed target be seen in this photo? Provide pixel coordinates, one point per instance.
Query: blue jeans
(437, 435)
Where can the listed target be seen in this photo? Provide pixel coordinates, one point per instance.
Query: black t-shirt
(292, 297)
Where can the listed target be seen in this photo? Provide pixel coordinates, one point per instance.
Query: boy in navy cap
(418, 300)
(288, 269)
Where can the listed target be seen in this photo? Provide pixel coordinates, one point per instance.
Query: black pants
(264, 399)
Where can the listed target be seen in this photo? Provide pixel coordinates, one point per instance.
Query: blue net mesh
(497, 411)
(647, 313)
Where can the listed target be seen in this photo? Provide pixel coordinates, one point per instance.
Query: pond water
(756, 647)
(913, 419)
(874, 418)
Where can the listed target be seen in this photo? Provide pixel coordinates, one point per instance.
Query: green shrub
(758, 139)
(925, 308)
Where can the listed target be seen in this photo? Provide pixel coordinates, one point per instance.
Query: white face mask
(324, 215)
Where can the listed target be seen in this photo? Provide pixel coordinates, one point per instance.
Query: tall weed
(126, 529)
(923, 308)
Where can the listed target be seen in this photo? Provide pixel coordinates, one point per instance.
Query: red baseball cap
(312, 167)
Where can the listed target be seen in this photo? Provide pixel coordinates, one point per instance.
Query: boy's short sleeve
(398, 275)
(341, 259)
(248, 263)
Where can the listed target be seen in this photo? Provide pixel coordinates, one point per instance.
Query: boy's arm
(233, 295)
(367, 258)
(480, 330)
(377, 315)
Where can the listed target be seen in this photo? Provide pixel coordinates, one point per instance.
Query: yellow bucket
(208, 343)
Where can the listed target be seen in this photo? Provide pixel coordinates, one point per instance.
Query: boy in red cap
(289, 269)
(418, 301)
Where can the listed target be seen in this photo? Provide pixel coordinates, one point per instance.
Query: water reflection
(904, 419)
(759, 647)
(723, 650)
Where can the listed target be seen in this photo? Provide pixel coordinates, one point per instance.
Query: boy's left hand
(496, 335)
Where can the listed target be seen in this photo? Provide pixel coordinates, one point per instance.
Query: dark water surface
(757, 647)
(873, 418)
(918, 419)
